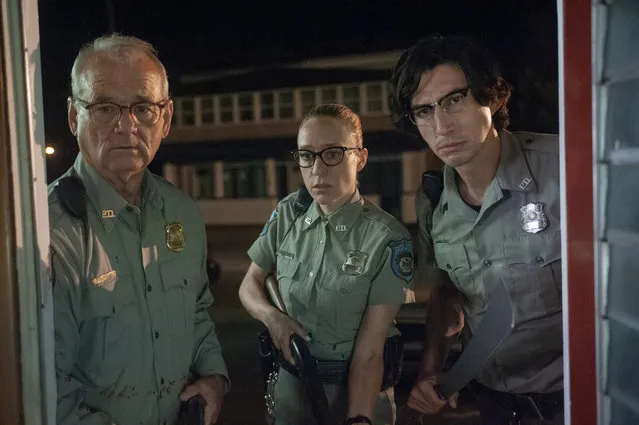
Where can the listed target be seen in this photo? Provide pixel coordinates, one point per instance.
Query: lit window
(208, 113)
(286, 104)
(267, 107)
(245, 180)
(351, 97)
(374, 98)
(308, 100)
(226, 108)
(246, 106)
(329, 95)
(205, 175)
(188, 112)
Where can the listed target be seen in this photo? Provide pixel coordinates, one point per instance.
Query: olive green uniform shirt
(131, 319)
(515, 237)
(330, 268)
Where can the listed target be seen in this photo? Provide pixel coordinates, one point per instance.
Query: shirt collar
(107, 201)
(340, 221)
(513, 172)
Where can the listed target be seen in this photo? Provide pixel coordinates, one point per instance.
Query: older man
(133, 335)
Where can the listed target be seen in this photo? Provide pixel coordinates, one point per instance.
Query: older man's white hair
(117, 46)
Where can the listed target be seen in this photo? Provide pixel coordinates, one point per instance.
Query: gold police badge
(355, 262)
(533, 218)
(175, 237)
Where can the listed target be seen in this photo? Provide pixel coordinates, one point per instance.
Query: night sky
(195, 36)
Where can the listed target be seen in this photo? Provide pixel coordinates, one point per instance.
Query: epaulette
(433, 185)
(542, 142)
(72, 196)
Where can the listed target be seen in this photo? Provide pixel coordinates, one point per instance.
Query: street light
(49, 150)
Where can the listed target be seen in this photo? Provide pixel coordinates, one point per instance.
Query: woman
(344, 267)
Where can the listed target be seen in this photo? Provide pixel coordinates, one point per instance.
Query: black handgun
(307, 373)
(192, 411)
(305, 365)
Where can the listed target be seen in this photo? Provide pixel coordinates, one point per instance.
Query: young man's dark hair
(481, 70)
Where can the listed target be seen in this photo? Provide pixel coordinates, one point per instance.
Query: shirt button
(129, 209)
(148, 288)
(321, 242)
(343, 290)
(448, 266)
(157, 335)
(539, 259)
(487, 263)
(311, 274)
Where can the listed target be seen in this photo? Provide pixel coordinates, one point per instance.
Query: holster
(331, 371)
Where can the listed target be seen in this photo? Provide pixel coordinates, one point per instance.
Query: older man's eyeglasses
(109, 113)
(453, 103)
(330, 156)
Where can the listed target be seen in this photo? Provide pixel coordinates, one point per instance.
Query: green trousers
(293, 408)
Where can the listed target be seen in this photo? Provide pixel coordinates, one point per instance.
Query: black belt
(330, 372)
(533, 405)
(336, 371)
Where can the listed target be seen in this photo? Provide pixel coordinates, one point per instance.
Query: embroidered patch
(402, 258)
(355, 263)
(108, 214)
(524, 183)
(270, 220)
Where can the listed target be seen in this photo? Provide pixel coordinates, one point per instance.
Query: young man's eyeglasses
(330, 156)
(109, 113)
(453, 103)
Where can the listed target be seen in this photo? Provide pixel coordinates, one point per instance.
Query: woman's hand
(281, 327)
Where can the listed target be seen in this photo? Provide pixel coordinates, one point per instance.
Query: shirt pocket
(452, 259)
(180, 292)
(534, 266)
(107, 327)
(344, 299)
(290, 273)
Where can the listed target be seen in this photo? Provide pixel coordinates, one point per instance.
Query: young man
(498, 218)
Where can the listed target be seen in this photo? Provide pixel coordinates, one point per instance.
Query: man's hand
(211, 389)
(424, 398)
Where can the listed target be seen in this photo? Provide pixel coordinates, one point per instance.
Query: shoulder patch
(402, 258)
(271, 219)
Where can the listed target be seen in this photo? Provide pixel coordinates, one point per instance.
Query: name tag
(106, 281)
